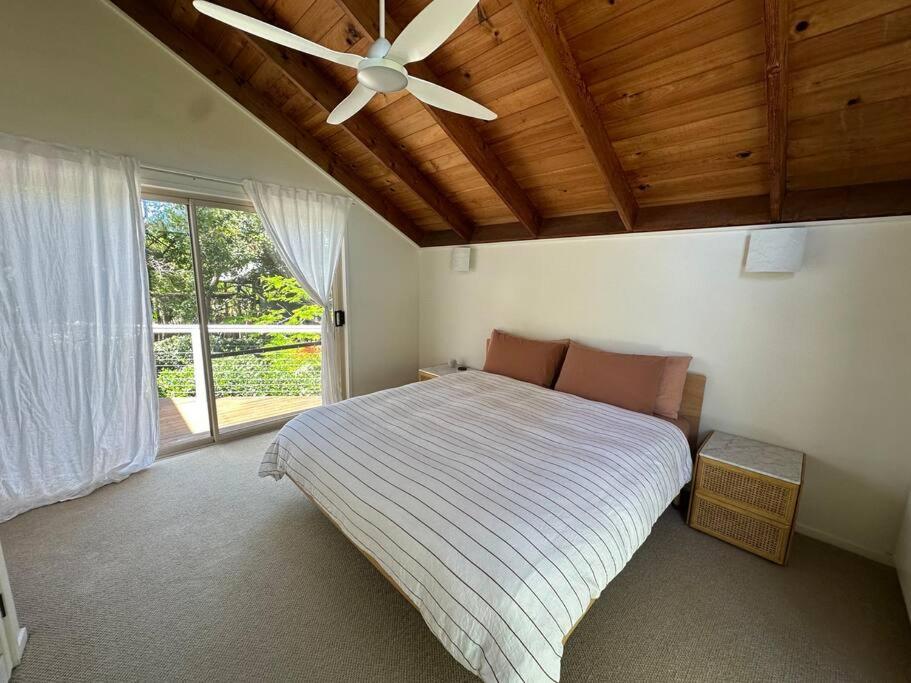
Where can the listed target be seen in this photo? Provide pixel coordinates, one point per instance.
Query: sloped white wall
(816, 361)
(82, 73)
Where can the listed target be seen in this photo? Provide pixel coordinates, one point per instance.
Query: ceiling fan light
(382, 75)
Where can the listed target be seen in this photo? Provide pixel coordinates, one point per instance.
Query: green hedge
(294, 372)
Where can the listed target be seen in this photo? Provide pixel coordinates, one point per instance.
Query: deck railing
(291, 369)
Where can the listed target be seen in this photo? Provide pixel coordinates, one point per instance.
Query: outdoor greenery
(244, 282)
(280, 373)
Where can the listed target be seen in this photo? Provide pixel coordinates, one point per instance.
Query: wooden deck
(184, 417)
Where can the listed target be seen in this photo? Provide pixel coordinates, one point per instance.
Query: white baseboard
(882, 558)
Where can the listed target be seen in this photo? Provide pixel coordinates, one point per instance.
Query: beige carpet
(198, 570)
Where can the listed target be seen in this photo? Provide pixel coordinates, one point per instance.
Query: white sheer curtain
(78, 405)
(308, 229)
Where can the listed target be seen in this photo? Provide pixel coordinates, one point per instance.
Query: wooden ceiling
(614, 115)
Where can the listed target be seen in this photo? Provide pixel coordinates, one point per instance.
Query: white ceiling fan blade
(274, 34)
(429, 29)
(438, 96)
(351, 105)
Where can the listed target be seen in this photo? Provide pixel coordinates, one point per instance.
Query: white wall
(83, 74)
(383, 308)
(816, 361)
(903, 555)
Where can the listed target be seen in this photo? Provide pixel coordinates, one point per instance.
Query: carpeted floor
(198, 570)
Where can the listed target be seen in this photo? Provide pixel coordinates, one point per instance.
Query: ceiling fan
(383, 69)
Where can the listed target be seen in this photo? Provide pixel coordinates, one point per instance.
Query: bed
(499, 509)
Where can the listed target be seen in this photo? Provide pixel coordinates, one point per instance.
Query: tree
(169, 263)
(243, 278)
(243, 281)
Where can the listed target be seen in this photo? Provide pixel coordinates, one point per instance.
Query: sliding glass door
(264, 330)
(179, 359)
(237, 340)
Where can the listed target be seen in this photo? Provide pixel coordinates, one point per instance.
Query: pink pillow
(526, 360)
(623, 380)
(670, 390)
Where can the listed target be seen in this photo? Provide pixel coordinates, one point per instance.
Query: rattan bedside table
(745, 492)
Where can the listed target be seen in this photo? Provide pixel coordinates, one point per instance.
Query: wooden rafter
(776, 51)
(546, 35)
(363, 13)
(321, 89)
(857, 201)
(206, 63)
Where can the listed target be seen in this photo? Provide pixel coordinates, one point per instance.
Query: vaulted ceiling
(614, 115)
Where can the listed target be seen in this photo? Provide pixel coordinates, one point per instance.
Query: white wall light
(777, 250)
(461, 260)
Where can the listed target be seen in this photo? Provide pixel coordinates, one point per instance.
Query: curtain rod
(162, 169)
(224, 181)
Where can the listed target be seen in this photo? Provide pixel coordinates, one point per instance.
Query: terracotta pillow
(526, 360)
(623, 380)
(670, 390)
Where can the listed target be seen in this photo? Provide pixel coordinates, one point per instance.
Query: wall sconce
(777, 250)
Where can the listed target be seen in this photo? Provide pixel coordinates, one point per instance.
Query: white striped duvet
(500, 509)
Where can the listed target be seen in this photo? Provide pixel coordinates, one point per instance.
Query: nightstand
(435, 371)
(745, 492)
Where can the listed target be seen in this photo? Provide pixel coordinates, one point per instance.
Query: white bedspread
(500, 508)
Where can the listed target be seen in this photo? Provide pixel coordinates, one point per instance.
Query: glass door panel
(264, 334)
(179, 356)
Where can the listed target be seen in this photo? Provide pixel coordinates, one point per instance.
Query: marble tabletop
(756, 456)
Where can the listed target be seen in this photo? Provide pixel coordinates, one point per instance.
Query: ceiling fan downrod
(378, 73)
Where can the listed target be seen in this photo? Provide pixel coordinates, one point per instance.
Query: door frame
(216, 436)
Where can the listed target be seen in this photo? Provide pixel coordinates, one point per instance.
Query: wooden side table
(746, 492)
(435, 371)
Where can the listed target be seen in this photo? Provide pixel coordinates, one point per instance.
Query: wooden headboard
(691, 405)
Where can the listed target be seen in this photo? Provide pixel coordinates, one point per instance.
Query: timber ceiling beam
(209, 65)
(776, 51)
(364, 15)
(546, 35)
(322, 90)
(857, 201)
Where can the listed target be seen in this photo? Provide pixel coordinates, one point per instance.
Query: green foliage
(177, 382)
(280, 373)
(292, 372)
(169, 263)
(243, 282)
(173, 351)
(297, 307)
(243, 278)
